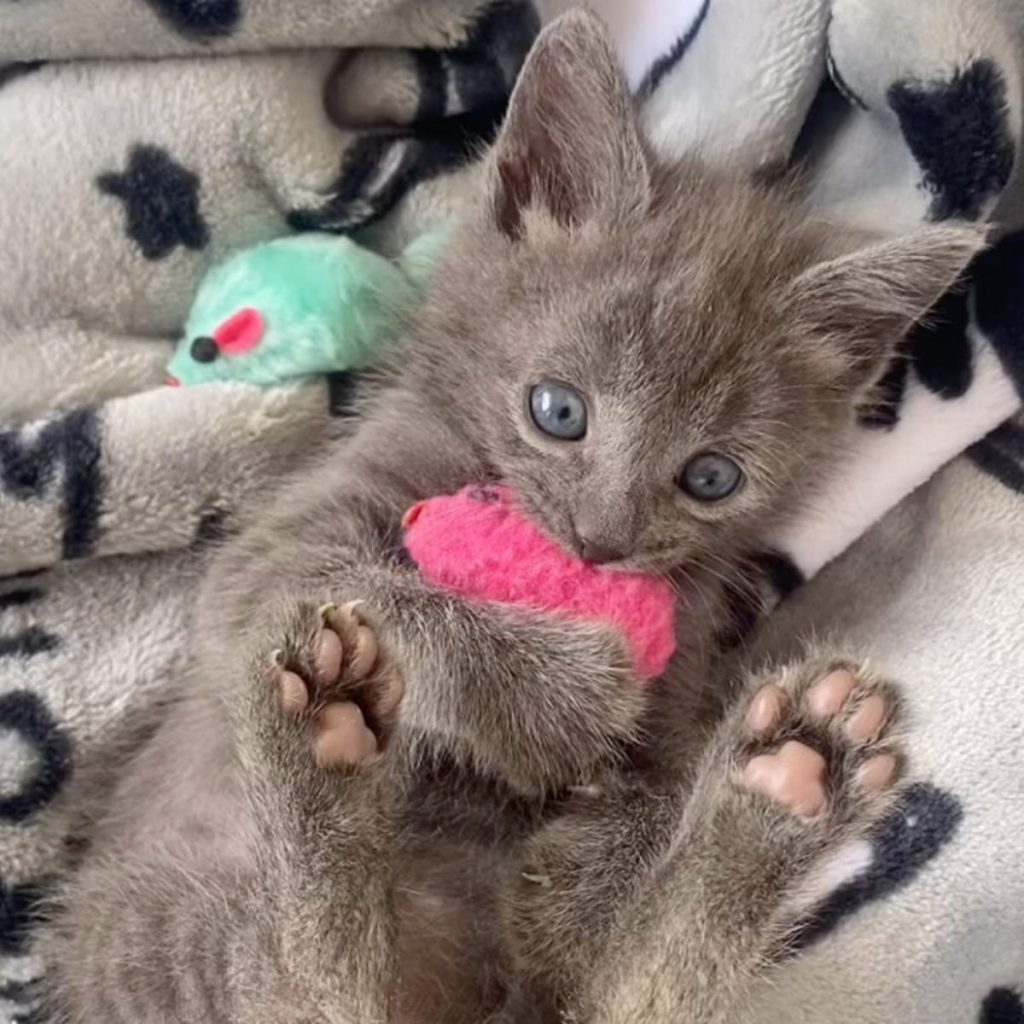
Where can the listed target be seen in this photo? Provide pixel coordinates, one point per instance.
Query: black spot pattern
(432, 84)
(479, 72)
(959, 134)
(463, 92)
(199, 19)
(24, 713)
(18, 904)
(1002, 1006)
(19, 69)
(28, 466)
(362, 195)
(781, 572)
(19, 597)
(940, 351)
(485, 67)
(27, 643)
(161, 200)
(907, 839)
(999, 302)
(24, 574)
(663, 65)
(83, 484)
(1001, 455)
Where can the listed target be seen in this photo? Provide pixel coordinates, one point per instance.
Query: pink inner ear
(239, 333)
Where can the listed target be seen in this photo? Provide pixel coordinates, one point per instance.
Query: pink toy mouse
(479, 545)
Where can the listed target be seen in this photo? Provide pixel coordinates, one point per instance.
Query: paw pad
(808, 741)
(351, 694)
(793, 777)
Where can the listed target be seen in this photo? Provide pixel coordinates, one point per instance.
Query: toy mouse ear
(241, 332)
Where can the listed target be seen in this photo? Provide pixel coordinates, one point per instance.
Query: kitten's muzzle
(597, 552)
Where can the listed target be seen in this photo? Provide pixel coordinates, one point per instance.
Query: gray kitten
(371, 801)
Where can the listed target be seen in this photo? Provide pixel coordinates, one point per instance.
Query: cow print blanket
(123, 178)
(900, 112)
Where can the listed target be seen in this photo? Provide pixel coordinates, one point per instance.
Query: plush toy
(479, 545)
(296, 306)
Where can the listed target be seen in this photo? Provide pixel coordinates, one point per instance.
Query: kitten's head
(663, 363)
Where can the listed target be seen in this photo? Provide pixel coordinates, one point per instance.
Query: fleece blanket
(123, 178)
(142, 142)
(899, 112)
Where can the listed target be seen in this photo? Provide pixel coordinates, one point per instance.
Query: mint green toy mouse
(302, 305)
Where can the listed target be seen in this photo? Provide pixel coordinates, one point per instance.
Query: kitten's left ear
(864, 303)
(570, 149)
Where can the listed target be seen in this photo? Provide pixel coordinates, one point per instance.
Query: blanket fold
(65, 29)
(123, 179)
(146, 139)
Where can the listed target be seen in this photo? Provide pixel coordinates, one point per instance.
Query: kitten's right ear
(570, 150)
(865, 301)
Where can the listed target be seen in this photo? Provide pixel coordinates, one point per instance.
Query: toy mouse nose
(597, 552)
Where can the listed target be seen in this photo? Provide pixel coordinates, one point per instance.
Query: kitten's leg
(558, 910)
(258, 887)
(536, 701)
(797, 774)
(606, 838)
(311, 735)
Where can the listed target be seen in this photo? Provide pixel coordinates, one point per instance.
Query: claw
(352, 608)
(542, 880)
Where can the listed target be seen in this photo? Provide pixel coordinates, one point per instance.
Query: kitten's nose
(597, 553)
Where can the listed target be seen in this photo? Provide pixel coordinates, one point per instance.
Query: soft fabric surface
(901, 112)
(479, 545)
(123, 180)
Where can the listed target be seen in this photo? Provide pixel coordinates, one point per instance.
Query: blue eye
(711, 477)
(558, 411)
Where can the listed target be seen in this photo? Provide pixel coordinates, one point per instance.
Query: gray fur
(234, 879)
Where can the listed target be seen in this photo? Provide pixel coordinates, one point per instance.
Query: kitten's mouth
(561, 530)
(565, 536)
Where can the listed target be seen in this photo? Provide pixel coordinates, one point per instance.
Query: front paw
(336, 680)
(820, 744)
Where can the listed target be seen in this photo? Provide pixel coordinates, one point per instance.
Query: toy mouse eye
(558, 411)
(710, 477)
(204, 350)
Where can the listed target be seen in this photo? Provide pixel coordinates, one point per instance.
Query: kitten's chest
(459, 840)
(448, 946)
